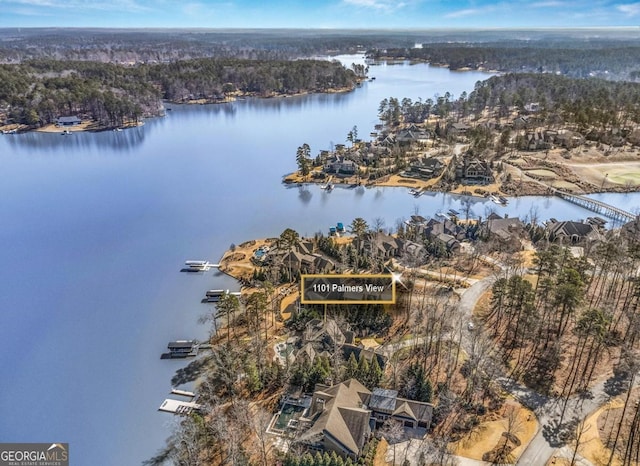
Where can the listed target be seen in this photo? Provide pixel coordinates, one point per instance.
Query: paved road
(548, 441)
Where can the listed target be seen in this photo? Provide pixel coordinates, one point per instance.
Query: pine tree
(363, 369)
(351, 369)
(375, 373)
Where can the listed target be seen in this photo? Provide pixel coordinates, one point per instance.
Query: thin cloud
(549, 4)
(629, 9)
(380, 5)
(465, 12)
(119, 5)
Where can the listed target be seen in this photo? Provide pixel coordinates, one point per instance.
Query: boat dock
(179, 407)
(182, 349)
(199, 266)
(213, 296)
(185, 393)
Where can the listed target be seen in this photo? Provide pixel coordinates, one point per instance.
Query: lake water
(95, 228)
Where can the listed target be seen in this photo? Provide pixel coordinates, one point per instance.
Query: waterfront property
(68, 121)
(342, 417)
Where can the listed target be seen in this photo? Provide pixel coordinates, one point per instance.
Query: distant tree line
(609, 59)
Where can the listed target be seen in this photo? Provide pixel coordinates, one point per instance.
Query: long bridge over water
(614, 213)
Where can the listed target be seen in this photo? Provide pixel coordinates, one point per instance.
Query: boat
(455, 213)
(413, 192)
(329, 187)
(439, 214)
(503, 200)
(117, 129)
(66, 132)
(418, 193)
(495, 199)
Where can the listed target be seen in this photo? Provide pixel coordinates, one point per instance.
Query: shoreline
(528, 188)
(92, 126)
(238, 95)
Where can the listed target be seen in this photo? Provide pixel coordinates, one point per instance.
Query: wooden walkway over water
(614, 213)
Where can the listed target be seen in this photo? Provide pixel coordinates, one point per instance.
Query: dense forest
(38, 91)
(155, 46)
(580, 101)
(612, 60)
(585, 103)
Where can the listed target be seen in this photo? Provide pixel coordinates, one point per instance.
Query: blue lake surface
(96, 227)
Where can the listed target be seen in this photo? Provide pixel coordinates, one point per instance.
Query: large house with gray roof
(342, 417)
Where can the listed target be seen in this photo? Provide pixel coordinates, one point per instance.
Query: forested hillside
(37, 92)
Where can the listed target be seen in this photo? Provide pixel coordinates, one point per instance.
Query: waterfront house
(425, 168)
(569, 232)
(473, 171)
(68, 121)
(342, 417)
(411, 135)
(340, 165)
(381, 245)
(507, 232)
(569, 139)
(339, 420)
(504, 228)
(434, 227)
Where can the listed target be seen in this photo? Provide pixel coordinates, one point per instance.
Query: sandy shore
(87, 125)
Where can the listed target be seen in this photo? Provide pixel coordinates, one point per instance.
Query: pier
(179, 407)
(614, 213)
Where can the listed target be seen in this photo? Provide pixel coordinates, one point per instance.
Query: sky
(361, 14)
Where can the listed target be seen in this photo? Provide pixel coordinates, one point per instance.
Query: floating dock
(179, 407)
(175, 391)
(199, 266)
(213, 296)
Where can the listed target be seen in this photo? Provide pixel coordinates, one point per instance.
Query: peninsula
(515, 134)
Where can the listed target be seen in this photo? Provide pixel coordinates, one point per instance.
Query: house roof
(460, 126)
(383, 400)
(505, 227)
(570, 228)
(69, 119)
(180, 344)
(343, 417)
(387, 401)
